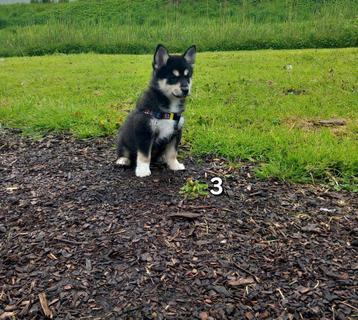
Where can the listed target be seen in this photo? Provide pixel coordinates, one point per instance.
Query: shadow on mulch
(95, 242)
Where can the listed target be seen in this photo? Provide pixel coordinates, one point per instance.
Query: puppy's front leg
(170, 155)
(143, 164)
(144, 137)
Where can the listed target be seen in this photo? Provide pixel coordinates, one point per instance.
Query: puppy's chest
(164, 129)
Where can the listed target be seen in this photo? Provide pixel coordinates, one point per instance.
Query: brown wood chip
(241, 281)
(303, 290)
(185, 214)
(7, 315)
(44, 305)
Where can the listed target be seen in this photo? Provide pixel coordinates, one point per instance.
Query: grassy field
(245, 105)
(134, 26)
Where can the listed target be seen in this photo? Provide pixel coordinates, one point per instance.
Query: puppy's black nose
(185, 91)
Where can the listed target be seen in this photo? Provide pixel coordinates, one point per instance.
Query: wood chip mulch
(83, 239)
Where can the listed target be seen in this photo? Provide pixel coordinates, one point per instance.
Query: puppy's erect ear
(161, 57)
(190, 55)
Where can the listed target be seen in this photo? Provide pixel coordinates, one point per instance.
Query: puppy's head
(172, 74)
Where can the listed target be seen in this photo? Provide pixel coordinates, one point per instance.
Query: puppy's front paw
(176, 166)
(142, 171)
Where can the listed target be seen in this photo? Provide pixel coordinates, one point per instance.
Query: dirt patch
(4, 102)
(82, 239)
(296, 92)
(337, 126)
(329, 123)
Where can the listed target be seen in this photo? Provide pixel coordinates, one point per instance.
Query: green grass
(111, 26)
(241, 106)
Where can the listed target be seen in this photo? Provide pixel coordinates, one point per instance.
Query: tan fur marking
(170, 155)
(141, 157)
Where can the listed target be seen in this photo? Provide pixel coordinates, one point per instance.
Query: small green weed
(193, 189)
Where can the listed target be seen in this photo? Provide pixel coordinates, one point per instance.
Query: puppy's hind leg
(123, 158)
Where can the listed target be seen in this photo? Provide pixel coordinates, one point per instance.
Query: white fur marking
(123, 161)
(143, 162)
(142, 170)
(190, 83)
(186, 71)
(175, 105)
(176, 73)
(181, 122)
(164, 128)
(175, 165)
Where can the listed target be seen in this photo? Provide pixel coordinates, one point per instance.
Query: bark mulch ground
(83, 239)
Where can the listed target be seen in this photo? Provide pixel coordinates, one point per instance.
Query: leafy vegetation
(263, 106)
(193, 189)
(111, 26)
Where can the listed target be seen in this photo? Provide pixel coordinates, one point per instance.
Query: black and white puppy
(153, 130)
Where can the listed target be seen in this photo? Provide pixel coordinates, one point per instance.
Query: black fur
(137, 133)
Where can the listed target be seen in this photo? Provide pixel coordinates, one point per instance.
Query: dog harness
(164, 115)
